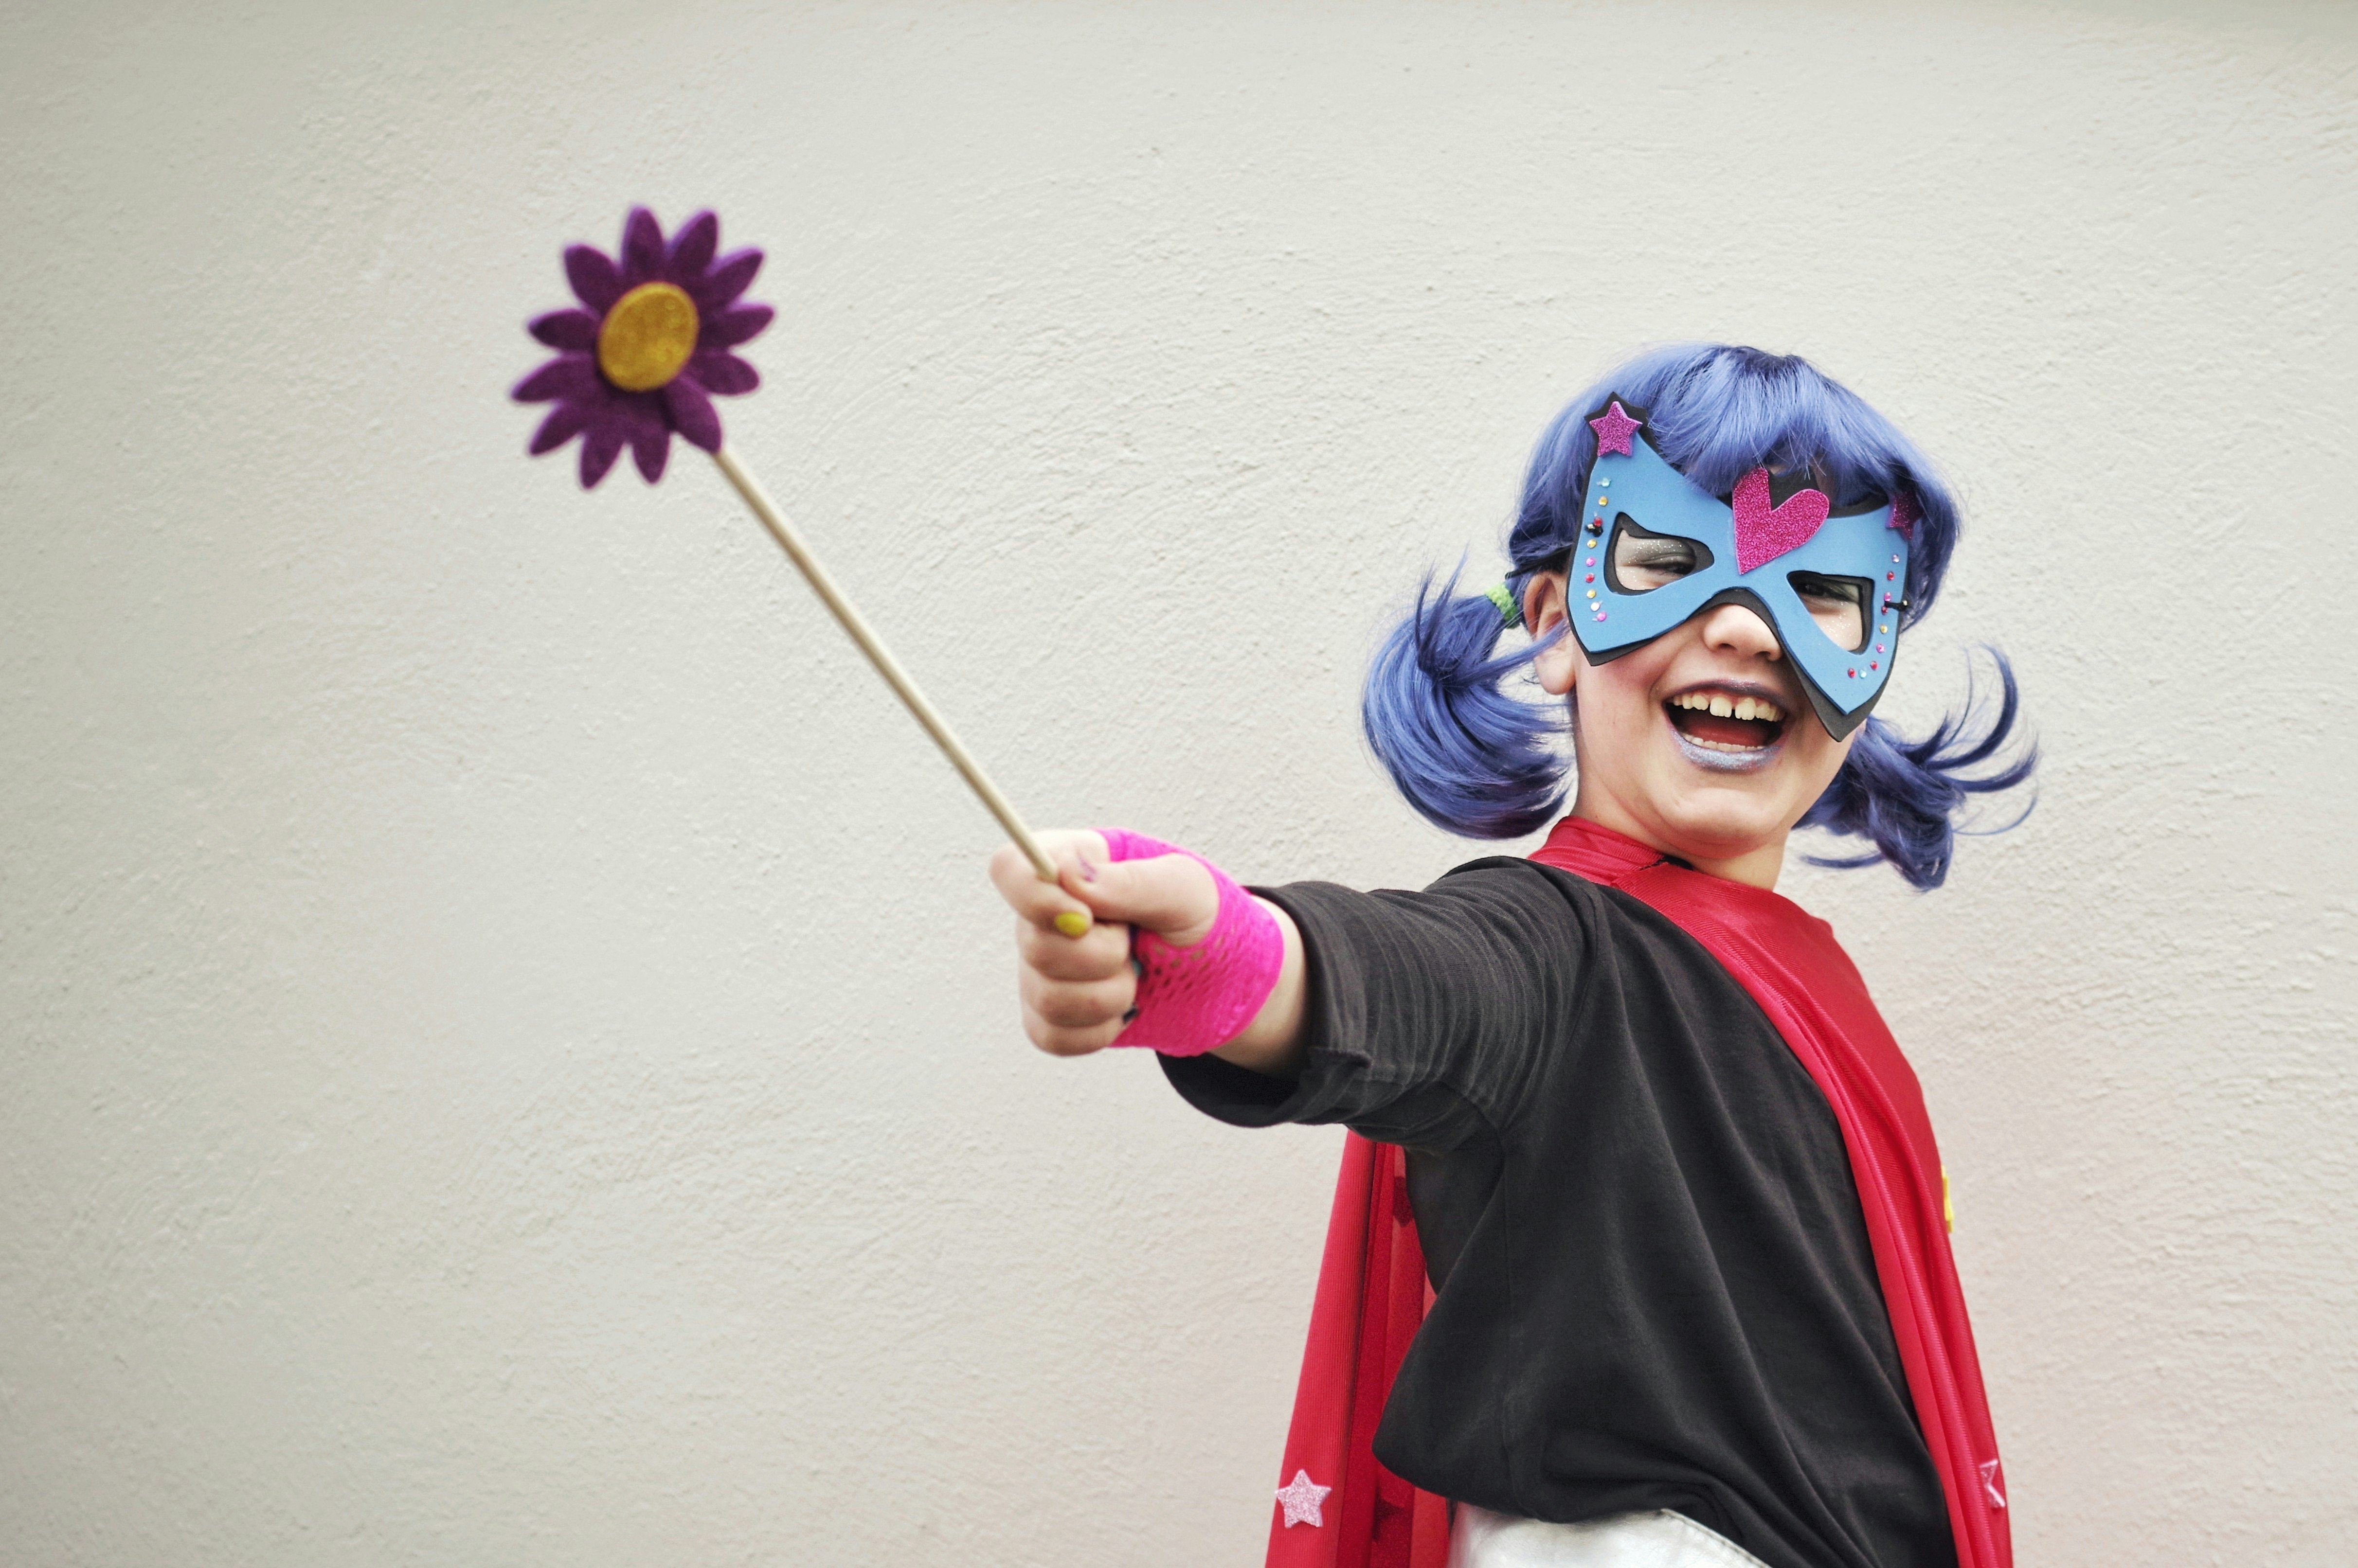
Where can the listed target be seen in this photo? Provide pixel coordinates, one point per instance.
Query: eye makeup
(1641, 560)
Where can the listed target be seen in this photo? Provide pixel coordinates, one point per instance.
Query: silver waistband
(1481, 1539)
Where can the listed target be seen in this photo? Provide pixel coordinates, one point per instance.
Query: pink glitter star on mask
(1300, 1498)
(1614, 429)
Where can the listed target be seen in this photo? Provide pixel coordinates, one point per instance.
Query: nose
(1739, 630)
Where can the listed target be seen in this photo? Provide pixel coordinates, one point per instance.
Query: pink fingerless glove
(1193, 999)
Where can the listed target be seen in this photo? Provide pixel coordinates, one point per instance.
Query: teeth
(1722, 706)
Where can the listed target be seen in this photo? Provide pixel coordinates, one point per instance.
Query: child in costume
(1639, 1255)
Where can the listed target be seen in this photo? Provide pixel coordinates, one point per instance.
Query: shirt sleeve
(1425, 1014)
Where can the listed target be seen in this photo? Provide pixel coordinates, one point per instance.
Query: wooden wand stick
(890, 669)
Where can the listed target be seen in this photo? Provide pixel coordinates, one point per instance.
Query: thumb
(1172, 896)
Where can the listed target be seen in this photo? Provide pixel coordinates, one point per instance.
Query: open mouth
(1726, 718)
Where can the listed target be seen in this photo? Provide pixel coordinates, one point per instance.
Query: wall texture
(508, 1050)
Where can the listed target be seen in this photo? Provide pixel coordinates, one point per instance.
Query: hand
(1076, 988)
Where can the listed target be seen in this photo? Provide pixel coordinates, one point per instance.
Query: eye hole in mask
(1641, 560)
(1838, 605)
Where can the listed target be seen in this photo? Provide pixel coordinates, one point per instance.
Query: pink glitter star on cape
(1300, 1497)
(1614, 429)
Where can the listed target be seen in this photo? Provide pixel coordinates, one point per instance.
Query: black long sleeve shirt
(1654, 1284)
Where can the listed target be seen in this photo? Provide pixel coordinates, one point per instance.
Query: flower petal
(649, 452)
(697, 421)
(567, 329)
(718, 370)
(600, 448)
(638, 414)
(595, 282)
(732, 275)
(643, 247)
(737, 323)
(565, 421)
(692, 247)
(566, 375)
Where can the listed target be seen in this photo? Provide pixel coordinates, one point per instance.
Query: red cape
(1371, 1286)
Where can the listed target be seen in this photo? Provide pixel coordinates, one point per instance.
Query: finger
(1059, 1042)
(1079, 1004)
(1097, 954)
(1173, 895)
(1048, 903)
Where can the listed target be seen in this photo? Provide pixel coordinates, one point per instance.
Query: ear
(1559, 664)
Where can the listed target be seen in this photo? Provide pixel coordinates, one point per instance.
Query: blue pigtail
(1469, 757)
(1903, 795)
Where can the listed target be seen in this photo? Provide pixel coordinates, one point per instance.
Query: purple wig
(1480, 763)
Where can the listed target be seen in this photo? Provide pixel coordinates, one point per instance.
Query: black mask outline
(1866, 586)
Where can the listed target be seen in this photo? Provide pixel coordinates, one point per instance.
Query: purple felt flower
(652, 347)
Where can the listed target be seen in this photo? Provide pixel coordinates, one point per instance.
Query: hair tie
(1510, 611)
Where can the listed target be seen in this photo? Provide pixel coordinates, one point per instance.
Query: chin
(1717, 808)
(1723, 827)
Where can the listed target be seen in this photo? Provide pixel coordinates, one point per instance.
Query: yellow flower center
(647, 337)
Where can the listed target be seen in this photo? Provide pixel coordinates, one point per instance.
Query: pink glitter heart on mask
(1763, 533)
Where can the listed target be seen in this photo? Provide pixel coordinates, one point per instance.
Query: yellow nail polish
(1073, 923)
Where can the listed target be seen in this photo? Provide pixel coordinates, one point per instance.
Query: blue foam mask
(1790, 557)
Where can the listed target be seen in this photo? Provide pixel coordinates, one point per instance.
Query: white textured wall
(508, 1050)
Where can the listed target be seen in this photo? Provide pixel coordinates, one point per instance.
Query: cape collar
(1589, 849)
